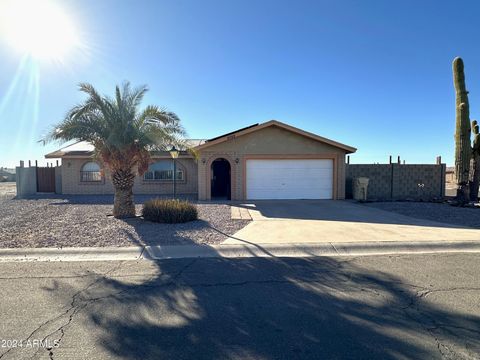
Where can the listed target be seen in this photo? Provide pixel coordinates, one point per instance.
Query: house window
(90, 172)
(162, 171)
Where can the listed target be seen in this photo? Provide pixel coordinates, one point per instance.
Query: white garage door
(289, 179)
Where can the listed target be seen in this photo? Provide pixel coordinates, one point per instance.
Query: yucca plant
(123, 135)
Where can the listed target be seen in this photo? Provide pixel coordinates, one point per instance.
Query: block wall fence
(399, 181)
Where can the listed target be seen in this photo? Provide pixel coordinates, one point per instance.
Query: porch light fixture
(237, 160)
(174, 154)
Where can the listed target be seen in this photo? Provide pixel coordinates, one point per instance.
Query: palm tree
(123, 136)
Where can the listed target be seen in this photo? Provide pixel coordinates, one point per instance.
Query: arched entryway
(221, 187)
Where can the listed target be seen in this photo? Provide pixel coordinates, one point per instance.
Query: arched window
(163, 170)
(90, 172)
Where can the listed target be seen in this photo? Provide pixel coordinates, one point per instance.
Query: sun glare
(39, 28)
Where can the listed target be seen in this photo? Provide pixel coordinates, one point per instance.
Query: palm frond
(121, 133)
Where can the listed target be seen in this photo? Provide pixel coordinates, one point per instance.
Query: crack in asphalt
(446, 326)
(421, 293)
(444, 350)
(73, 309)
(461, 288)
(425, 321)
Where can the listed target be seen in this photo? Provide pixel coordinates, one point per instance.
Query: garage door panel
(289, 179)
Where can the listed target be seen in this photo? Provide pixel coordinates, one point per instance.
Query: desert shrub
(169, 211)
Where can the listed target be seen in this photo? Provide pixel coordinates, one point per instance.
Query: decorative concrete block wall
(399, 181)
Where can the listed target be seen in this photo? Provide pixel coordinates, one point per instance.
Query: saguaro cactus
(463, 149)
(475, 162)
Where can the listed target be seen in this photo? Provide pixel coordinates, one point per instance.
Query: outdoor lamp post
(174, 154)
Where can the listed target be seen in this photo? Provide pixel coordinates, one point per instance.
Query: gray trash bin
(360, 187)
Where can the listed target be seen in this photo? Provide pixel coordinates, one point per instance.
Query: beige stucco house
(271, 160)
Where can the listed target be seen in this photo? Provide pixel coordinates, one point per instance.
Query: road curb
(72, 254)
(238, 251)
(312, 249)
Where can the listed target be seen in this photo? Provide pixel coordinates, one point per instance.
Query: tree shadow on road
(270, 308)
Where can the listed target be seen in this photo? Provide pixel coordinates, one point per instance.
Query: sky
(373, 74)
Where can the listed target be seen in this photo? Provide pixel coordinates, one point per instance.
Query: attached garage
(289, 179)
(272, 160)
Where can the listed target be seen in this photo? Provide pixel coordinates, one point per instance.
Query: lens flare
(39, 28)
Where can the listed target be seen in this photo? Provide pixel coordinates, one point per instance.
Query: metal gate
(45, 179)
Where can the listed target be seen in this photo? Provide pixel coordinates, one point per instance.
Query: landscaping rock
(441, 212)
(66, 222)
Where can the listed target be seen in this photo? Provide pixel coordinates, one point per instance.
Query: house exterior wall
(270, 143)
(71, 183)
(58, 179)
(399, 181)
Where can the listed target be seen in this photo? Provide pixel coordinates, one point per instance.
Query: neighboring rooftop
(78, 148)
(4, 171)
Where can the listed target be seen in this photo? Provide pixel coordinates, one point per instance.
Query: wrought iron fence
(90, 176)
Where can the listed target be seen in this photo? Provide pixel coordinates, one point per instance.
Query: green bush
(169, 211)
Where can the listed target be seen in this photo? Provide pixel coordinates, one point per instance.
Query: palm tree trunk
(123, 206)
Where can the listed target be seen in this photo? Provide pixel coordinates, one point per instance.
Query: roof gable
(85, 149)
(250, 129)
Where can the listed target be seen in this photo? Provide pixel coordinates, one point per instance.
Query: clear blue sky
(372, 74)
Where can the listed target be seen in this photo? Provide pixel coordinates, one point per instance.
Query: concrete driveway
(306, 221)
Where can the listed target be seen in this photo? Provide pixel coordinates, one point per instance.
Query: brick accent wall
(71, 183)
(399, 181)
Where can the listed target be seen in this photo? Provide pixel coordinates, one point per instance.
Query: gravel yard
(440, 212)
(83, 221)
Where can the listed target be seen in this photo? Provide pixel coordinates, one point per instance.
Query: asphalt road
(376, 307)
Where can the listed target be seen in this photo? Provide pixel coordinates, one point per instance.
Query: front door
(220, 175)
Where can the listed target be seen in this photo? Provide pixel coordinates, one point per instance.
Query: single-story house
(271, 160)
